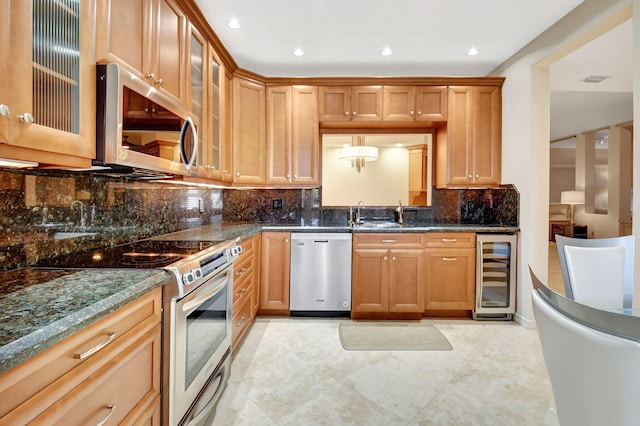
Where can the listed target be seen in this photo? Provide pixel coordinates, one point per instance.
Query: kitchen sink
(381, 225)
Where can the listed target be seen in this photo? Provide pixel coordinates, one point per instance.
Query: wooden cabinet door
(431, 103)
(366, 103)
(279, 135)
(256, 265)
(124, 28)
(459, 136)
(370, 280)
(399, 103)
(469, 149)
(305, 136)
(249, 144)
(487, 147)
(450, 282)
(274, 283)
(216, 91)
(226, 129)
(334, 103)
(406, 280)
(169, 62)
(5, 101)
(49, 93)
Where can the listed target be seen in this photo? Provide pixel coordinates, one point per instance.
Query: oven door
(202, 336)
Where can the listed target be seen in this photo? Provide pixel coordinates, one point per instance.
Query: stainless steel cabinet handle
(449, 259)
(159, 82)
(411, 112)
(288, 175)
(238, 174)
(26, 118)
(226, 170)
(4, 110)
(354, 113)
(384, 258)
(477, 176)
(93, 350)
(286, 240)
(146, 109)
(111, 408)
(469, 176)
(242, 321)
(295, 176)
(393, 258)
(320, 299)
(150, 75)
(419, 112)
(389, 241)
(346, 113)
(448, 240)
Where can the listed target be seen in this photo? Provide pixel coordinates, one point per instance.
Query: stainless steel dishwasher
(320, 277)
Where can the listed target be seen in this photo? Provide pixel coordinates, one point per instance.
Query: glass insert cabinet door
(52, 75)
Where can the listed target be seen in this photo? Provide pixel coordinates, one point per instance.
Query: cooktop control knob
(236, 250)
(192, 275)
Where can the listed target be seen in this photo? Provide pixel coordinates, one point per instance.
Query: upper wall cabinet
(149, 38)
(415, 103)
(197, 54)
(468, 149)
(218, 119)
(47, 89)
(249, 145)
(350, 103)
(293, 146)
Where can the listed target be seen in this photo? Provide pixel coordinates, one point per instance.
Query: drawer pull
(97, 347)
(449, 240)
(389, 241)
(241, 322)
(320, 299)
(393, 258)
(449, 259)
(111, 408)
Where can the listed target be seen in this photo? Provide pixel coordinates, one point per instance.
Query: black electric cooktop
(139, 254)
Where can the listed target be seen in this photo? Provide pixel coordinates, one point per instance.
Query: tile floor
(294, 371)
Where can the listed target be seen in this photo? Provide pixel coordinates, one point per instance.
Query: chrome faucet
(358, 221)
(73, 204)
(400, 213)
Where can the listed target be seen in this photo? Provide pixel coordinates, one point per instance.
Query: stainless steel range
(196, 316)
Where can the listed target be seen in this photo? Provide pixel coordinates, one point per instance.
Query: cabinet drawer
(405, 240)
(451, 239)
(70, 362)
(241, 319)
(113, 386)
(241, 291)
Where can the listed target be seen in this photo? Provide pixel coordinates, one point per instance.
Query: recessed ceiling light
(473, 51)
(386, 51)
(233, 24)
(298, 52)
(345, 145)
(595, 78)
(398, 145)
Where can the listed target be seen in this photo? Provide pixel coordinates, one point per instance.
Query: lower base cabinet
(450, 264)
(388, 277)
(274, 273)
(109, 369)
(245, 289)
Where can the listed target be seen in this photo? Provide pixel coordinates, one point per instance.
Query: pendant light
(358, 153)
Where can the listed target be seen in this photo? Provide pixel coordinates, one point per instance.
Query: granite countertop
(39, 308)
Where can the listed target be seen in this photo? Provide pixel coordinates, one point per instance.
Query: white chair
(594, 375)
(597, 272)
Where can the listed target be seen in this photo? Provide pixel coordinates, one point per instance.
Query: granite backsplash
(464, 206)
(36, 204)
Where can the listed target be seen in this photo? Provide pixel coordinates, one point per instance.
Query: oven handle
(198, 298)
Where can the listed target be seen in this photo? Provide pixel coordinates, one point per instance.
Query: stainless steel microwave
(141, 130)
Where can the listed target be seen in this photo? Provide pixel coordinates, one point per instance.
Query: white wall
(525, 129)
(380, 183)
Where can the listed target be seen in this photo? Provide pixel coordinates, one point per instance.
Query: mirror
(402, 172)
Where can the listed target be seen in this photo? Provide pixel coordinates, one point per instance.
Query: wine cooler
(495, 277)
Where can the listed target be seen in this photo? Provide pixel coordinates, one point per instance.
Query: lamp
(357, 153)
(572, 198)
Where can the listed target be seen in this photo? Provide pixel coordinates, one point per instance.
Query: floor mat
(392, 336)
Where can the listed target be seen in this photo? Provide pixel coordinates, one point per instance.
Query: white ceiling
(346, 37)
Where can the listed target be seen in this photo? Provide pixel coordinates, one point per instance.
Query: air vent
(595, 78)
